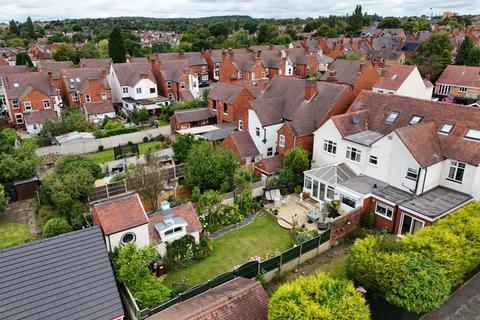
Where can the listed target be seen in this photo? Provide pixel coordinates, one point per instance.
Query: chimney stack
(181, 54)
(50, 76)
(332, 76)
(362, 66)
(310, 89)
(270, 47)
(143, 75)
(259, 54)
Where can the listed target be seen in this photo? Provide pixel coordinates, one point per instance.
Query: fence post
(125, 184)
(106, 189)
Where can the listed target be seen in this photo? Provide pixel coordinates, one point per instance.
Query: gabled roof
(173, 70)
(18, 85)
(193, 58)
(64, 277)
(270, 165)
(301, 128)
(78, 79)
(186, 212)
(96, 63)
(99, 107)
(370, 112)
(332, 173)
(461, 76)
(119, 214)
(193, 115)
(4, 70)
(54, 67)
(129, 74)
(244, 144)
(238, 299)
(224, 92)
(347, 71)
(394, 77)
(284, 100)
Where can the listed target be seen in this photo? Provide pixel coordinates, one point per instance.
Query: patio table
(313, 214)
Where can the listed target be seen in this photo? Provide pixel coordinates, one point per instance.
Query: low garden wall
(92, 145)
(344, 224)
(286, 261)
(257, 191)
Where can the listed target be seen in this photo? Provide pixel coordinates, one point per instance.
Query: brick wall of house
(305, 142)
(344, 224)
(227, 69)
(381, 222)
(237, 110)
(36, 98)
(366, 80)
(95, 90)
(341, 106)
(398, 220)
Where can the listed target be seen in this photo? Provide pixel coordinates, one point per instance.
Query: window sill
(455, 181)
(410, 178)
(353, 161)
(385, 217)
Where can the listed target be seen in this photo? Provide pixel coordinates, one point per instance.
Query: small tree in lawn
(209, 204)
(116, 46)
(318, 297)
(150, 179)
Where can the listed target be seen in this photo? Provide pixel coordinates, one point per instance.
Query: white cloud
(55, 9)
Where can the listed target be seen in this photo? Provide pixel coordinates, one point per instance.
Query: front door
(410, 225)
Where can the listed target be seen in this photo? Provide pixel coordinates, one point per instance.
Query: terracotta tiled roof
(193, 58)
(186, 211)
(394, 77)
(100, 107)
(54, 67)
(173, 70)
(79, 78)
(371, 110)
(244, 144)
(461, 76)
(225, 92)
(270, 165)
(4, 70)
(347, 70)
(118, 214)
(238, 299)
(39, 116)
(301, 128)
(96, 63)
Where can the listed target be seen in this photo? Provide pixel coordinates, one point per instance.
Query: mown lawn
(335, 267)
(263, 237)
(13, 234)
(108, 155)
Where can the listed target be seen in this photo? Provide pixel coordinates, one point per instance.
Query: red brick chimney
(143, 76)
(332, 75)
(259, 54)
(310, 89)
(362, 66)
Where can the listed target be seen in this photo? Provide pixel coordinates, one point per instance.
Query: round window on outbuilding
(128, 237)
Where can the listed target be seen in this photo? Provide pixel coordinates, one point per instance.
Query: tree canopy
(468, 54)
(434, 55)
(116, 46)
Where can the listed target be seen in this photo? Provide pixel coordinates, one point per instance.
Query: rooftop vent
(16, 85)
(394, 77)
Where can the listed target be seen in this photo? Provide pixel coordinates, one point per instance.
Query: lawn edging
(243, 223)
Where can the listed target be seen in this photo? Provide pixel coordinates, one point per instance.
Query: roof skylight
(473, 134)
(392, 117)
(446, 128)
(415, 120)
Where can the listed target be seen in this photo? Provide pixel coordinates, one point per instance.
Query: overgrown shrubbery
(318, 297)
(184, 252)
(172, 107)
(55, 227)
(131, 265)
(103, 133)
(290, 176)
(418, 272)
(72, 120)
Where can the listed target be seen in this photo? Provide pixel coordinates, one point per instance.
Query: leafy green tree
(116, 46)
(318, 297)
(240, 39)
(282, 39)
(30, 29)
(467, 53)
(140, 115)
(182, 145)
(434, 55)
(65, 52)
(201, 44)
(21, 163)
(219, 29)
(390, 22)
(309, 27)
(17, 42)
(55, 227)
(72, 120)
(8, 137)
(266, 32)
(421, 288)
(23, 59)
(13, 27)
(72, 163)
(290, 30)
(151, 292)
(3, 199)
(355, 21)
(133, 48)
(251, 26)
(58, 37)
(210, 166)
(102, 46)
(161, 47)
(88, 51)
(295, 162)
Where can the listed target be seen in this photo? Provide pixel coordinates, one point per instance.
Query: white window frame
(74, 96)
(412, 174)
(182, 85)
(46, 104)
(399, 233)
(169, 85)
(257, 131)
(239, 75)
(281, 141)
(88, 98)
(125, 90)
(153, 90)
(343, 196)
(373, 160)
(27, 105)
(138, 90)
(462, 89)
(17, 118)
(329, 146)
(15, 104)
(456, 166)
(240, 125)
(270, 152)
(170, 96)
(307, 181)
(104, 96)
(353, 151)
(387, 209)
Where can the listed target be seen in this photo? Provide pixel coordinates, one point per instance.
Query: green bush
(150, 292)
(140, 115)
(145, 139)
(112, 125)
(184, 252)
(3, 199)
(318, 297)
(356, 233)
(46, 213)
(368, 219)
(114, 132)
(55, 227)
(100, 148)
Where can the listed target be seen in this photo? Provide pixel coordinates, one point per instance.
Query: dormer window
(392, 117)
(473, 134)
(415, 120)
(446, 128)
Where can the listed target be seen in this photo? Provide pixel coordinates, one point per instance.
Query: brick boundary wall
(344, 224)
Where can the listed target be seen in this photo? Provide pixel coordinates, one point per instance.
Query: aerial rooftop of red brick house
(242, 144)
(394, 77)
(4, 70)
(238, 299)
(129, 74)
(460, 76)
(103, 63)
(54, 67)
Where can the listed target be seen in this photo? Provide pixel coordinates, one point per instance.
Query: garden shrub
(196, 194)
(100, 148)
(150, 292)
(3, 199)
(305, 235)
(114, 132)
(112, 125)
(367, 219)
(46, 213)
(145, 139)
(318, 297)
(184, 252)
(55, 227)
(356, 233)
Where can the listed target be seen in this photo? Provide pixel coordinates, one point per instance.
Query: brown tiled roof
(39, 116)
(394, 77)
(129, 74)
(225, 92)
(301, 128)
(99, 107)
(173, 70)
(18, 85)
(461, 76)
(118, 214)
(186, 211)
(372, 110)
(54, 67)
(347, 71)
(244, 144)
(284, 100)
(238, 299)
(79, 78)
(4, 70)
(270, 165)
(96, 63)
(193, 58)
(186, 94)
(193, 115)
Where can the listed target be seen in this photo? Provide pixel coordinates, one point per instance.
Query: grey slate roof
(225, 92)
(392, 194)
(193, 115)
(129, 74)
(363, 184)
(221, 133)
(64, 277)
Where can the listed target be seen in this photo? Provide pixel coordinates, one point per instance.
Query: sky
(56, 9)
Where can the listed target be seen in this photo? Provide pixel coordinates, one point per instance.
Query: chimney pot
(310, 89)
(259, 53)
(362, 66)
(332, 76)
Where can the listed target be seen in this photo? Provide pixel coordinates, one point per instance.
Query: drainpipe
(424, 178)
(418, 178)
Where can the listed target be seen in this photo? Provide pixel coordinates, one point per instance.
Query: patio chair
(268, 196)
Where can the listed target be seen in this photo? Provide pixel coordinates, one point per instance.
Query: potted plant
(333, 207)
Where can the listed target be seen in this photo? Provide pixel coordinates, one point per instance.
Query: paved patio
(293, 212)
